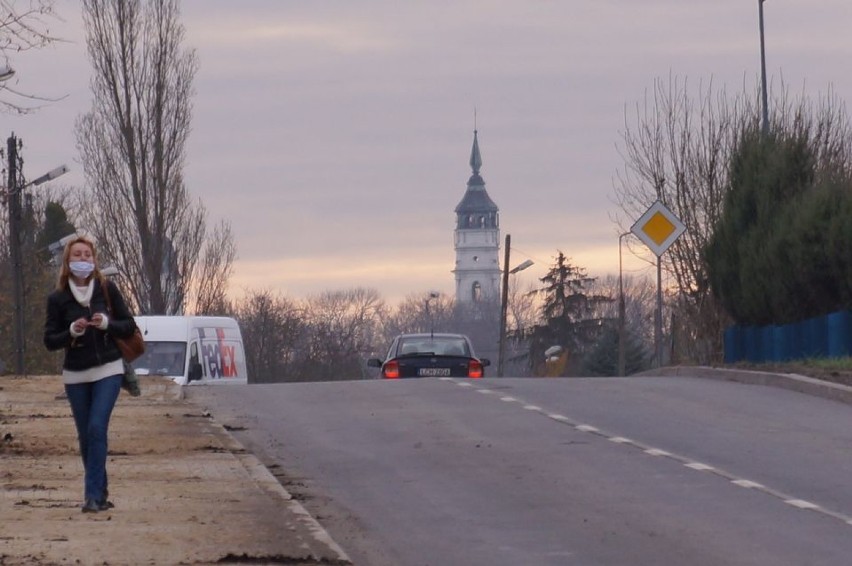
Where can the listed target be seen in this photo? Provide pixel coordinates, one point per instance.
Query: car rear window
(439, 346)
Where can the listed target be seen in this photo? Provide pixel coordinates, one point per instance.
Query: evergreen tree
(780, 252)
(568, 313)
(56, 226)
(602, 360)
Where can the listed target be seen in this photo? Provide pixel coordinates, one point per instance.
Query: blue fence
(827, 336)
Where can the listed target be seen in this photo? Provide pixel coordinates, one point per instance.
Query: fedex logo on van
(218, 356)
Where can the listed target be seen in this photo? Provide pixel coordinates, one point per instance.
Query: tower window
(476, 292)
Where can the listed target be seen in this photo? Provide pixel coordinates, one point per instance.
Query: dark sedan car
(430, 355)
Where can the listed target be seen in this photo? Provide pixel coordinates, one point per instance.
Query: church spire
(475, 157)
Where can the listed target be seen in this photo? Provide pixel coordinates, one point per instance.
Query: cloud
(335, 136)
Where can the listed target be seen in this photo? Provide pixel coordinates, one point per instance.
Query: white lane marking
(657, 452)
(801, 504)
(699, 466)
(748, 484)
(798, 503)
(484, 391)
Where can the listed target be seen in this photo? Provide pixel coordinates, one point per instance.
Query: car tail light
(474, 368)
(391, 370)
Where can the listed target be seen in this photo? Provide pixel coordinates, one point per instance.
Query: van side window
(196, 369)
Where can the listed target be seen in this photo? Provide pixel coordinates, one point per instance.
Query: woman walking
(83, 314)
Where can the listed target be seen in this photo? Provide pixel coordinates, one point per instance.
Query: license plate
(433, 372)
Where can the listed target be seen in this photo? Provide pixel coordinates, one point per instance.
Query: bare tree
(132, 145)
(522, 312)
(272, 328)
(640, 297)
(420, 312)
(342, 330)
(678, 151)
(216, 261)
(23, 27)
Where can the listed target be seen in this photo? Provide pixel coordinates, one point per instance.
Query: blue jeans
(91, 405)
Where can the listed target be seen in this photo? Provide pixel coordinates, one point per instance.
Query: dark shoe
(105, 505)
(91, 506)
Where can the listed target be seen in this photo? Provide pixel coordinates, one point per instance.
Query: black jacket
(96, 346)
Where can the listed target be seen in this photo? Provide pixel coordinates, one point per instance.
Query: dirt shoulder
(185, 491)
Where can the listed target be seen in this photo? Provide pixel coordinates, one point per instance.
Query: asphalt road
(639, 470)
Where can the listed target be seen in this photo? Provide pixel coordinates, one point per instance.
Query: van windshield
(161, 358)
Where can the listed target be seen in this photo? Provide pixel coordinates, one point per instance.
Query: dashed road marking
(657, 452)
(698, 466)
(748, 484)
(802, 504)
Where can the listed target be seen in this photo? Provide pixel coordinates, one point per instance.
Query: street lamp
(504, 303)
(432, 295)
(14, 200)
(765, 124)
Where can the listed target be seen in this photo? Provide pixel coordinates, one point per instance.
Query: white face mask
(81, 269)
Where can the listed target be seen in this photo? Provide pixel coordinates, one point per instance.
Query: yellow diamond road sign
(658, 228)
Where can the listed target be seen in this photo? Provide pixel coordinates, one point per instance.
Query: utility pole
(14, 200)
(504, 302)
(621, 312)
(14, 189)
(765, 92)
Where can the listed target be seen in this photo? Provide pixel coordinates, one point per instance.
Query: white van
(203, 349)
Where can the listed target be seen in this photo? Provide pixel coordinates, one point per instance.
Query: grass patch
(837, 370)
(829, 364)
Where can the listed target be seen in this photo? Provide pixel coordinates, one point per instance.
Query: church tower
(477, 239)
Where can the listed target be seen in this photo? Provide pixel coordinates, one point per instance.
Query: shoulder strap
(105, 287)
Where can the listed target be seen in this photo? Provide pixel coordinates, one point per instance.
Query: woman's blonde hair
(65, 270)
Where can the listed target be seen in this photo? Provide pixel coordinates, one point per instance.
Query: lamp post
(504, 303)
(14, 200)
(432, 295)
(765, 123)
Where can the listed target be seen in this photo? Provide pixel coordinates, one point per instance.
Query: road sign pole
(658, 316)
(658, 228)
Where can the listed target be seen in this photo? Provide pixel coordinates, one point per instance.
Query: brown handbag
(134, 345)
(131, 347)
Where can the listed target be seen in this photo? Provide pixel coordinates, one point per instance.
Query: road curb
(790, 381)
(266, 481)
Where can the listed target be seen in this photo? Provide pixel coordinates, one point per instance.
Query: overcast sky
(335, 135)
